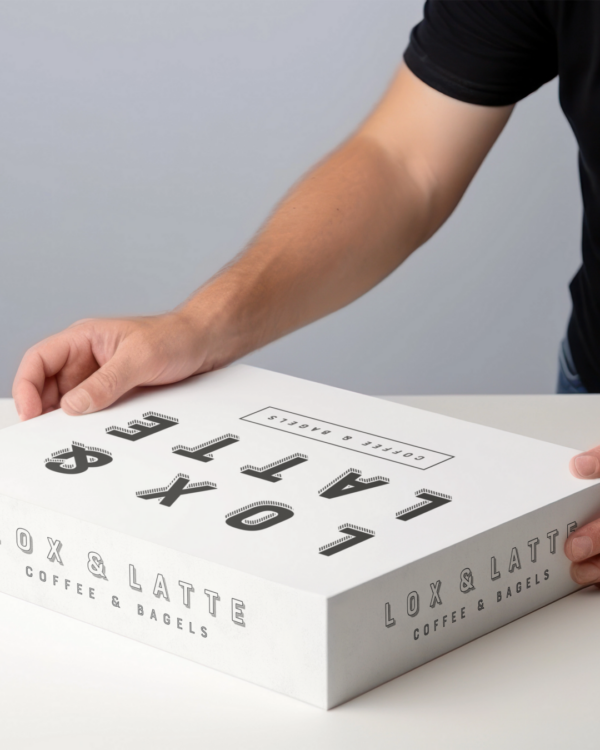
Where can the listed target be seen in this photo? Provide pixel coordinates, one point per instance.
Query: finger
(80, 364)
(50, 395)
(586, 465)
(586, 572)
(81, 321)
(121, 373)
(41, 361)
(584, 542)
(28, 400)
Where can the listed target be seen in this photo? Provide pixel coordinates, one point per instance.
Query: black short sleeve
(490, 52)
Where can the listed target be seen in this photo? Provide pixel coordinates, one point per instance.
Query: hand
(92, 363)
(583, 545)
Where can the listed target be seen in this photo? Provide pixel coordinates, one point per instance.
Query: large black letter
(270, 472)
(246, 517)
(350, 482)
(84, 459)
(354, 535)
(429, 501)
(179, 486)
(137, 430)
(202, 452)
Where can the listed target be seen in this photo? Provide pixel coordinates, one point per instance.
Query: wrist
(216, 315)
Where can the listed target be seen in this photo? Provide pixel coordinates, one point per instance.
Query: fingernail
(586, 465)
(586, 573)
(581, 547)
(77, 401)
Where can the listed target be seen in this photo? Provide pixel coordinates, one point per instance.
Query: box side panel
(399, 621)
(263, 632)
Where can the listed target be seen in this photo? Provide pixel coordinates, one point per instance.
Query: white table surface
(532, 684)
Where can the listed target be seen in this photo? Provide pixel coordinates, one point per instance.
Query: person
(357, 215)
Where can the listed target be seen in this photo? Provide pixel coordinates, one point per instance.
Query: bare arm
(349, 223)
(354, 218)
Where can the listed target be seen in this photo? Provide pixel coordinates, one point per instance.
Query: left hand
(583, 545)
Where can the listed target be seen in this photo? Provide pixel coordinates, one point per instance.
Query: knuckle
(81, 321)
(31, 351)
(108, 380)
(31, 360)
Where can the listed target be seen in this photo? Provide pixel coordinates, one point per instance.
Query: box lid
(310, 486)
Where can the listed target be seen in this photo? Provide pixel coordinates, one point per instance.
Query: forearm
(349, 223)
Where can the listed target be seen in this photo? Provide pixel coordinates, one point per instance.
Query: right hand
(92, 363)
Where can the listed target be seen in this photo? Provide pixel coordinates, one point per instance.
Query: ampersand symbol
(83, 459)
(480, 605)
(466, 581)
(96, 565)
(115, 602)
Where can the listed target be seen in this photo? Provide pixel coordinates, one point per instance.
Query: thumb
(104, 387)
(586, 465)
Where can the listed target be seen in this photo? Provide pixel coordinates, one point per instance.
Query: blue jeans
(568, 378)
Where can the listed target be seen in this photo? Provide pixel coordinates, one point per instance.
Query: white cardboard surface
(278, 595)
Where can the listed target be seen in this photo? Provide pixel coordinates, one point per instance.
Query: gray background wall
(142, 144)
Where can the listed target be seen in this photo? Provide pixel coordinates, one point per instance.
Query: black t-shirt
(495, 52)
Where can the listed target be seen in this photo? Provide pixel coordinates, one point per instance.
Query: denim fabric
(568, 379)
